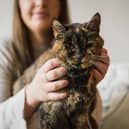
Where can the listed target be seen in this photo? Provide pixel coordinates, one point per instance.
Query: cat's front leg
(53, 115)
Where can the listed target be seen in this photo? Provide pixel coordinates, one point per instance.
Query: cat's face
(76, 38)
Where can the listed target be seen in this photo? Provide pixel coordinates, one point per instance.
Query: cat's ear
(57, 27)
(94, 23)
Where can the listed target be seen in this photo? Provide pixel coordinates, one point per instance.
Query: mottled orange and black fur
(77, 46)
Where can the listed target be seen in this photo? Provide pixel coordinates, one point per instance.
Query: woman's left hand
(101, 66)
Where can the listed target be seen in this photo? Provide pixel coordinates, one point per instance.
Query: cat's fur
(78, 46)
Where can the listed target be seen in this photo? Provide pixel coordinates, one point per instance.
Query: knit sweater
(11, 107)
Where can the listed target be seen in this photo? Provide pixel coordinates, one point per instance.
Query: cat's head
(76, 38)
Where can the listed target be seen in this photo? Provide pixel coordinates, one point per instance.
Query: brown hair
(20, 31)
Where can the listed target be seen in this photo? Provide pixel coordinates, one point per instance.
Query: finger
(105, 56)
(103, 59)
(57, 96)
(104, 51)
(50, 64)
(56, 73)
(101, 67)
(57, 85)
(97, 75)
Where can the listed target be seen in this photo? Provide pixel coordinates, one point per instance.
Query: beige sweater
(12, 107)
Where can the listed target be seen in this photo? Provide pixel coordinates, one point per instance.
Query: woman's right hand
(46, 85)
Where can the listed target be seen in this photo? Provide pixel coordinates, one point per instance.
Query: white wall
(5, 17)
(114, 28)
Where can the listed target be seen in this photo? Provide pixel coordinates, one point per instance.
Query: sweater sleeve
(11, 112)
(11, 107)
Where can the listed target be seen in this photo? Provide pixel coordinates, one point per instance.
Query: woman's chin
(41, 27)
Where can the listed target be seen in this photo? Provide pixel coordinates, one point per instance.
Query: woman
(31, 37)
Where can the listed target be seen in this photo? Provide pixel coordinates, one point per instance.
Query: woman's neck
(39, 43)
(40, 39)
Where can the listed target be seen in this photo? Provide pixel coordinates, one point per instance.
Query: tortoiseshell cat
(78, 46)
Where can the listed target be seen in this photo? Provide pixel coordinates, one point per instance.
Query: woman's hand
(101, 66)
(45, 85)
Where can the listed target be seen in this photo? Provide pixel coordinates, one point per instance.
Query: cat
(78, 47)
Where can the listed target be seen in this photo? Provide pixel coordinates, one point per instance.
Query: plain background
(114, 24)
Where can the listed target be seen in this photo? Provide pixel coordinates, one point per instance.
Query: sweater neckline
(38, 50)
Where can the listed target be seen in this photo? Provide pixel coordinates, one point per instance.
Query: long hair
(21, 33)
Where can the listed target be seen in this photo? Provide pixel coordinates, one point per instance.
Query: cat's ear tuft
(94, 23)
(57, 27)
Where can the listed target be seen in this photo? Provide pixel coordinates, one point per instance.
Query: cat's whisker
(91, 42)
(84, 29)
(92, 62)
(99, 58)
(91, 33)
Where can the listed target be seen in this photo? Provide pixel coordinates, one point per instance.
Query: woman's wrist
(30, 102)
